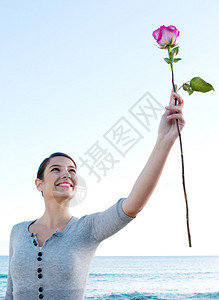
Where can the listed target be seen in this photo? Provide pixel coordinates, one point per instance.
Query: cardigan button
(40, 276)
(39, 270)
(39, 258)
(40, 253)
(41, 289)
(40, 296)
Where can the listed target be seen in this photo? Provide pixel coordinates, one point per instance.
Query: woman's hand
(168, 129)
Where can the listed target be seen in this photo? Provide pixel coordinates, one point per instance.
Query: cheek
(51, 177)
(49, 181)
(75, 180)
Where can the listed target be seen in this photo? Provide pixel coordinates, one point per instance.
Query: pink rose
(163, 35)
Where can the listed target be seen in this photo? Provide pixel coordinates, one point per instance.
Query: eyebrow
(61, 166)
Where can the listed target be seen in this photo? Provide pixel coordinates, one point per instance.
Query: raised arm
(150, 174)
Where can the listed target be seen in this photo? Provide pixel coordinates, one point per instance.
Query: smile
(65, 184)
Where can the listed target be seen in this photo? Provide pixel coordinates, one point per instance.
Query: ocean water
(144, 277)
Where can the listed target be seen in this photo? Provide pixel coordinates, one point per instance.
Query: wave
(131, 296)
(147, 296)
(214, 295)
(111, 275)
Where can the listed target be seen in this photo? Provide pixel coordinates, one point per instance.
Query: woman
(50, 257)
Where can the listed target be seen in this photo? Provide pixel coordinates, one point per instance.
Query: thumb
(172, 98)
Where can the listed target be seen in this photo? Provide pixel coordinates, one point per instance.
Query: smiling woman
(54, 166)
(54, 253)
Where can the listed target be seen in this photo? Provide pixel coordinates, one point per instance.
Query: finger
(176, 97)
(176, 116)
(175, 85)
(172, 99)
(174, 108)
(179, 98)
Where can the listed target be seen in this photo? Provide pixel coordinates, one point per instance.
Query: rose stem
(182, 160)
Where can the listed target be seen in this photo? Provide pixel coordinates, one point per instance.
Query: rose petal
(156, 34)
(164, 35)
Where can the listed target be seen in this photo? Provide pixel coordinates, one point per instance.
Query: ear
(38, 183)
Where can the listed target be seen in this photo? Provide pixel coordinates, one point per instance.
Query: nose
(71, 177)
(66, 174)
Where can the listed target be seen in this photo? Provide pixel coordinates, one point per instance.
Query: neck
(55, 215)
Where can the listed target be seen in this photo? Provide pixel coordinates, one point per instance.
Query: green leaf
(167, 60)
(176, 59)
(199, 85)
(164, 46)
(175, 51)
(188, 88)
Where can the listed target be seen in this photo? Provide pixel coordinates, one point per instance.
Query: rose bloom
(164, 35)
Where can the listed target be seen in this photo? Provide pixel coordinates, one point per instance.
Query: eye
(55, 169)
(72, 170)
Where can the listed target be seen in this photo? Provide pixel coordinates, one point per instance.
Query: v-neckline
(56, 231)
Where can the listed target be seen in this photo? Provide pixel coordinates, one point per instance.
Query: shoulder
(114, 212)
(20, 226)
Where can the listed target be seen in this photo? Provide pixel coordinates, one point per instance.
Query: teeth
(64, 184)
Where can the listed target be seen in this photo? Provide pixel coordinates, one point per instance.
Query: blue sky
(69, 71)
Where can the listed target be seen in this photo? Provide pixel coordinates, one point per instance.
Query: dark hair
(45, 162)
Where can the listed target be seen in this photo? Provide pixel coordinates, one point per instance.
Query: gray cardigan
(60, 268)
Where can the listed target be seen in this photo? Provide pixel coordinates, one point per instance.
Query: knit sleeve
(9, 291)
(110, 221)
